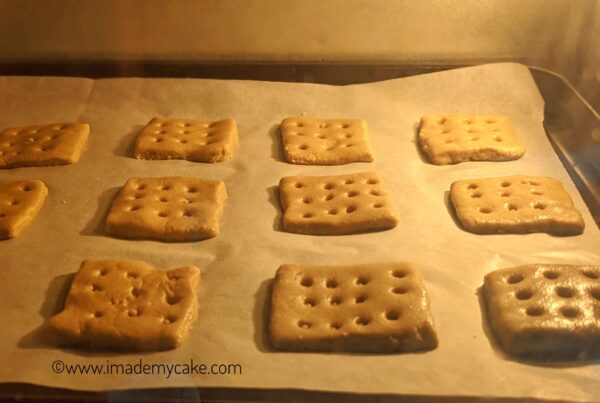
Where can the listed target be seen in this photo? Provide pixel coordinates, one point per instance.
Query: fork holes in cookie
(163, 199)
(399, 273)
(13, 202)
(539, 206)
(523, 294)
(188, 213)
(352, 194)
(361, 281)
(475, 195)
(335, 325)
(349, 182)
(307, 200)
(169, 319)
(173, 299)
(332, 211)
(304, 324)
(310, 302)
(331, 283)
(97, 314)
(378, 205)
(505, 184)
(351, 209)
(534, 311)
(485, 210)
(96, 287)
(132, 275)
(511, 207)
(303, 147)
(360, 299)
(140, 187)
(569, 312)
(515, 278)
(298, 185)
(472, 186)
(392, 315)
(505, 194)
(591, 274)
(335, 301)
(372, 182)
(328, 186)
(307, 215)
(375, 193)
(595, 293)
(329, 197)
(550, 275)
(163, 214)
(498, 138)
(134, 208)
(306, 282)
(133, 312)
(564, 292)
(136, 292)
(399, 290)
(362, 320)
(537, 192)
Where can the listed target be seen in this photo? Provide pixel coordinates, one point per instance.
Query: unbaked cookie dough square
(515, 204)
(32, 146)
(128, 305)
(545, 310)
(375, 308)
(167, 209)
(453, 139)
(336, 205)
(186, 139)
(20, 203)
(311, 141)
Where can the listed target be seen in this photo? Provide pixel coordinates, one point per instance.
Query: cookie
(545, 310)
(20, 203)
(453, 139)
(336, 205)
(186, 139)
(128, 305)
(515, 204)
(375, 308)
(31, 146)
(167, 209)
(325, 141)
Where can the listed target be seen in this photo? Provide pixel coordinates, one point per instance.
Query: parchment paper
(238, 265)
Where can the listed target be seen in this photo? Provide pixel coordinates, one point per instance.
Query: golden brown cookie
(452, 139)
(336, 205)
(515, 204)
(311, 141)
(377, 308)
(20, 203)
(167, 209)
(30, 146)
(128, 305)
(546, 310)
(186, 139)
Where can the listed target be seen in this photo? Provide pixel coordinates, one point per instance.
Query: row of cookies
(534, 310)
(445, 139)
(189, 209)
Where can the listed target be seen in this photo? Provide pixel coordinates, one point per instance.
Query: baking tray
(557, 126)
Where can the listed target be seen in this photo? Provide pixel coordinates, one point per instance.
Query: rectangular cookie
(452, 139)
(545, 310)
(336, 205)
(128, 305)
(167, 209)
(515, 204)
(31, 146)
(20, 203)
(311, 141)
(187, 139)
(375, 308)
